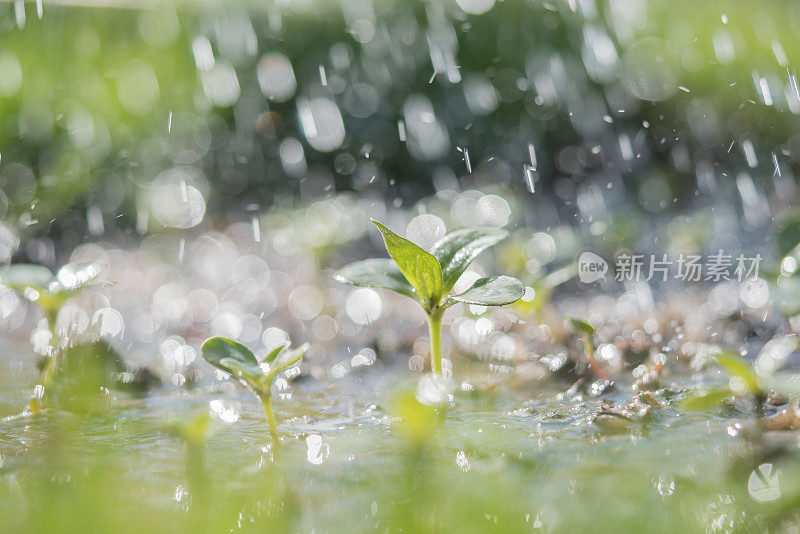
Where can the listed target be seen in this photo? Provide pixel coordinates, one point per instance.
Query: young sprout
(543, 288)
(37, 284)
(240, 362)
(429, 277)
(416, 421)
(587, 330)
(743, 379)
(193, 433)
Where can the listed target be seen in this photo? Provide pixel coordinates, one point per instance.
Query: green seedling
(240, 362)
(416, 421)
(587, 331)
(193, 434)
(37, 284)
(748, 381)
(81, 382)
(543, 288)
(786, 234)
(429, 277)
(86, 375)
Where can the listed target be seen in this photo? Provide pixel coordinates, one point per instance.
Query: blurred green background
(668, 101)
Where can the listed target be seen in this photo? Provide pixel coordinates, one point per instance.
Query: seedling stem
(435, 330)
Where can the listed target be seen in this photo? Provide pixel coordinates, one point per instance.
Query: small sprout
(542, 288)
(429, 277)
(582, 326)
(587, 330)
(82, 381)
(738, 368)
(702, 401)
(37, 284)
(416, 421)
(194, 433)
(240, 362)
(786, 234)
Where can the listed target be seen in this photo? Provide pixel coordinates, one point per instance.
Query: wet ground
(506, 460)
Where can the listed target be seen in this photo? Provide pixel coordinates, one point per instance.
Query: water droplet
(317, 450)
(434, 390)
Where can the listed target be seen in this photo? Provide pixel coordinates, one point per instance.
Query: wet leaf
(193, 431)
(252, 374)
(274, 353)
(22, 275)
(198, 426)
(420, 267)
(456, 250)
(735, 365)
(288, 358)
(230, 356)
(701, 401)
(381, 273)
(492, 291)
(787, 233)
(51, 294)
(543, 289)
(581, 326)
(417, 421)
(240, 362)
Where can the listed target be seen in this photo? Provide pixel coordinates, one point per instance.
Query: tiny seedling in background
(416, 421)
(37, 284)
(81, 382)
(543, 288)
(737, 368)
(587, 331)
(193, 433)
(240, 362)
(429, 277)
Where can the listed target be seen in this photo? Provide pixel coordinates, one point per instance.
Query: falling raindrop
(19, 13)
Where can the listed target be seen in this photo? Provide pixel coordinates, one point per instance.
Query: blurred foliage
(653, 96)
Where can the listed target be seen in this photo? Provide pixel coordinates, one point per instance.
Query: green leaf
(456, 250)
(735, 365)
(274, 353)
(558, 277)
(252, 374)
(230, 356)
(75, 277)
(197, 428)
(787, 233)
(544, 287)
(193, 431)
(288, 359)
(22, 275)
(492, 291)
(416, 421)
(377, 272)
(706, 400)
(581, 326)
(420, 267)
